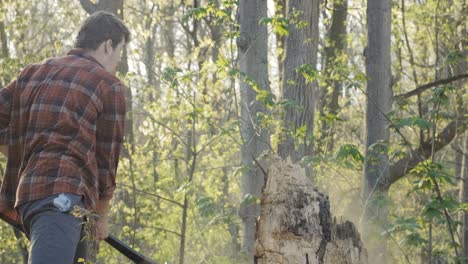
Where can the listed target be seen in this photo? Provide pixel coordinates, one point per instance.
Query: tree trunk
(334, 55)
(253, 61)
(300, 53)
(462, 154)
(4, 40)
(379, 103)
(462, 163)
(295, 224)
(168, 31)
(150, 61)
(280, 11)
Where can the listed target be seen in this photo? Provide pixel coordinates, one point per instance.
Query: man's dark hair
(100, 27)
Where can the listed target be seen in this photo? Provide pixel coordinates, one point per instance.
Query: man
(63, 120)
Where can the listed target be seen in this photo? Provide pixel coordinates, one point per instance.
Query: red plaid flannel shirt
(63, 120)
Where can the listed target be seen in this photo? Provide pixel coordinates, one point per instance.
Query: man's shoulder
(85, 66)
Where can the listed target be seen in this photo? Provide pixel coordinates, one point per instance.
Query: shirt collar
(82, 53)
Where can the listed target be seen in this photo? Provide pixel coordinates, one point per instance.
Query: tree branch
(153, 194)
(88, 6)
(424, 87)
(402, 167)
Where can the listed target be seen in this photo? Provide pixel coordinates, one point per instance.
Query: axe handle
(127, 251)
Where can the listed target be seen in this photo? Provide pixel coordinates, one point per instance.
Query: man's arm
(6, 98)
(4, 150)
(109, 139)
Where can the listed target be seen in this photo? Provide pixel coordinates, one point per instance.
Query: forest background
(368, 96)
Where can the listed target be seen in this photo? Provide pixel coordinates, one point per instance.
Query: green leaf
(348, 156)
(279, 25)
(415, 239)
(329, 118)
(422, 123)
(413, 121)
(454, 57)
(206, 206)
(431, 213)
(434, 171)
(265, 21)
(169, 74)
(308, 72)
(196, 13)
(266, 97)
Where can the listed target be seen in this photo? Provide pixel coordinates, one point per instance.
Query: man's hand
(102, 228)
(102, 224)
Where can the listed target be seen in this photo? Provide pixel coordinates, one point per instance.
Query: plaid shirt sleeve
(109, 138)
(6, 95)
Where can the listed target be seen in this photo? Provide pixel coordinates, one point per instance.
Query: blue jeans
(55, 234)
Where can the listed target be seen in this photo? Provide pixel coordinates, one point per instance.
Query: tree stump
(295, 224)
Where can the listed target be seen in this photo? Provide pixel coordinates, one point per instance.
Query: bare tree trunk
(280, 10)
(462, 154)
(4, 40)
(150, 57)
(334, 53)
(379, 103)
(253, 61)
(462, 164)
(168, 34)
(300, 58)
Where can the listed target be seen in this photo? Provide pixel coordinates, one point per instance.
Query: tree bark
(4, 40)
(402, 167)
(150, 57)
(253, 61)
(295, 224)
(379, 103)
(280, 11)
(462, 156)
(168, 34)
(300, 50)
(334, 51)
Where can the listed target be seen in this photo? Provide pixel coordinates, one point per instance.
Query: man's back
(60, 109)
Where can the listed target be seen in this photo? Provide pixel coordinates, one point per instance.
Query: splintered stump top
(295, 224)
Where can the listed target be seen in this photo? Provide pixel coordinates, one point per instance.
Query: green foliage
(206, 206)
(308, 72)
(348, 156)
(435, 207)
(412, 121)
(455, 57)
(279, 24)
(431, 173)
